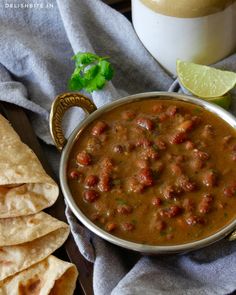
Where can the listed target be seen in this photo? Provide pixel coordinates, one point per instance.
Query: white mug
(201, 31)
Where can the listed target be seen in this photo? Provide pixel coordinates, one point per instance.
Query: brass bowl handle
(60, 105)
(232, 236)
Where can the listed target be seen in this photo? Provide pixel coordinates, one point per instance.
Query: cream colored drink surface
(201, 31)
(187, 8)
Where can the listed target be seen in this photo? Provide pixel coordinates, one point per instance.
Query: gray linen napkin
(37, 40)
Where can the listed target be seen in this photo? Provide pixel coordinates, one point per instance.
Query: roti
(50, 276)
(25, 188)
(25, 241)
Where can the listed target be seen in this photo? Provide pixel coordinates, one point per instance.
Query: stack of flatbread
(28, 236)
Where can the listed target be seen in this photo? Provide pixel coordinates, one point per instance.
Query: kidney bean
(99, 128)
(161, 144)
(162, 117)
(102, 220)
(99, 206)
(136, 131)
(178, 138)
(143, 142)
(185, 126)
(91, 196)
(209, 179)
(130, 146)
(230, 190)
(104, 184)
(142, 163)
(184, 117)
(157, 108)
(170, 212)
(103, 137)
(171, 110)
(153, 154)
(145, 123)
(124, 209)
(93, 144)
(176, 169)
(111, 226)
(208, 131)
(91, 180)
(189, 145)
(121, 130)
(208, 197)
(110, 212)
(196, 120)
(205, 204)
(156, 202)
(189, 186)
(95, 216)
(171, 192)
(186, 184)
(158, 167)
(134, 186)
(194, 219)
(75, 175)
(227, 139)
(127, 226)
(169, 236)
(174, 211)
(160, 225)
(188, 205)
(181, 223)
(145, 177)
(196, 164)
(150, 153)
(179, 159)
(83, 158)
(233, 155)
(118, 149)
(128, 115)
(107, 165)
(200, 154)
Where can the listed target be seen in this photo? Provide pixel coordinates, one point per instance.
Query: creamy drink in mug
(201, 31)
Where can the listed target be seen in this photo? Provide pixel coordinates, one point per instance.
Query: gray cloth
(36, 45)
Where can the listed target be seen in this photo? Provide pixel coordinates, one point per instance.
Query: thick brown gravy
(157, 172)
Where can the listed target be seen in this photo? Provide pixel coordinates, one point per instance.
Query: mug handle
(59, 106)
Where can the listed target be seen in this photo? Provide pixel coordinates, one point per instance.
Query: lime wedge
(204, 81)
(222, 101)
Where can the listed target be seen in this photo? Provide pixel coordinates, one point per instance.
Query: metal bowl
(67, 100)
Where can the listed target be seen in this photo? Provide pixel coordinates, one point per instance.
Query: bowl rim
(143, 248)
